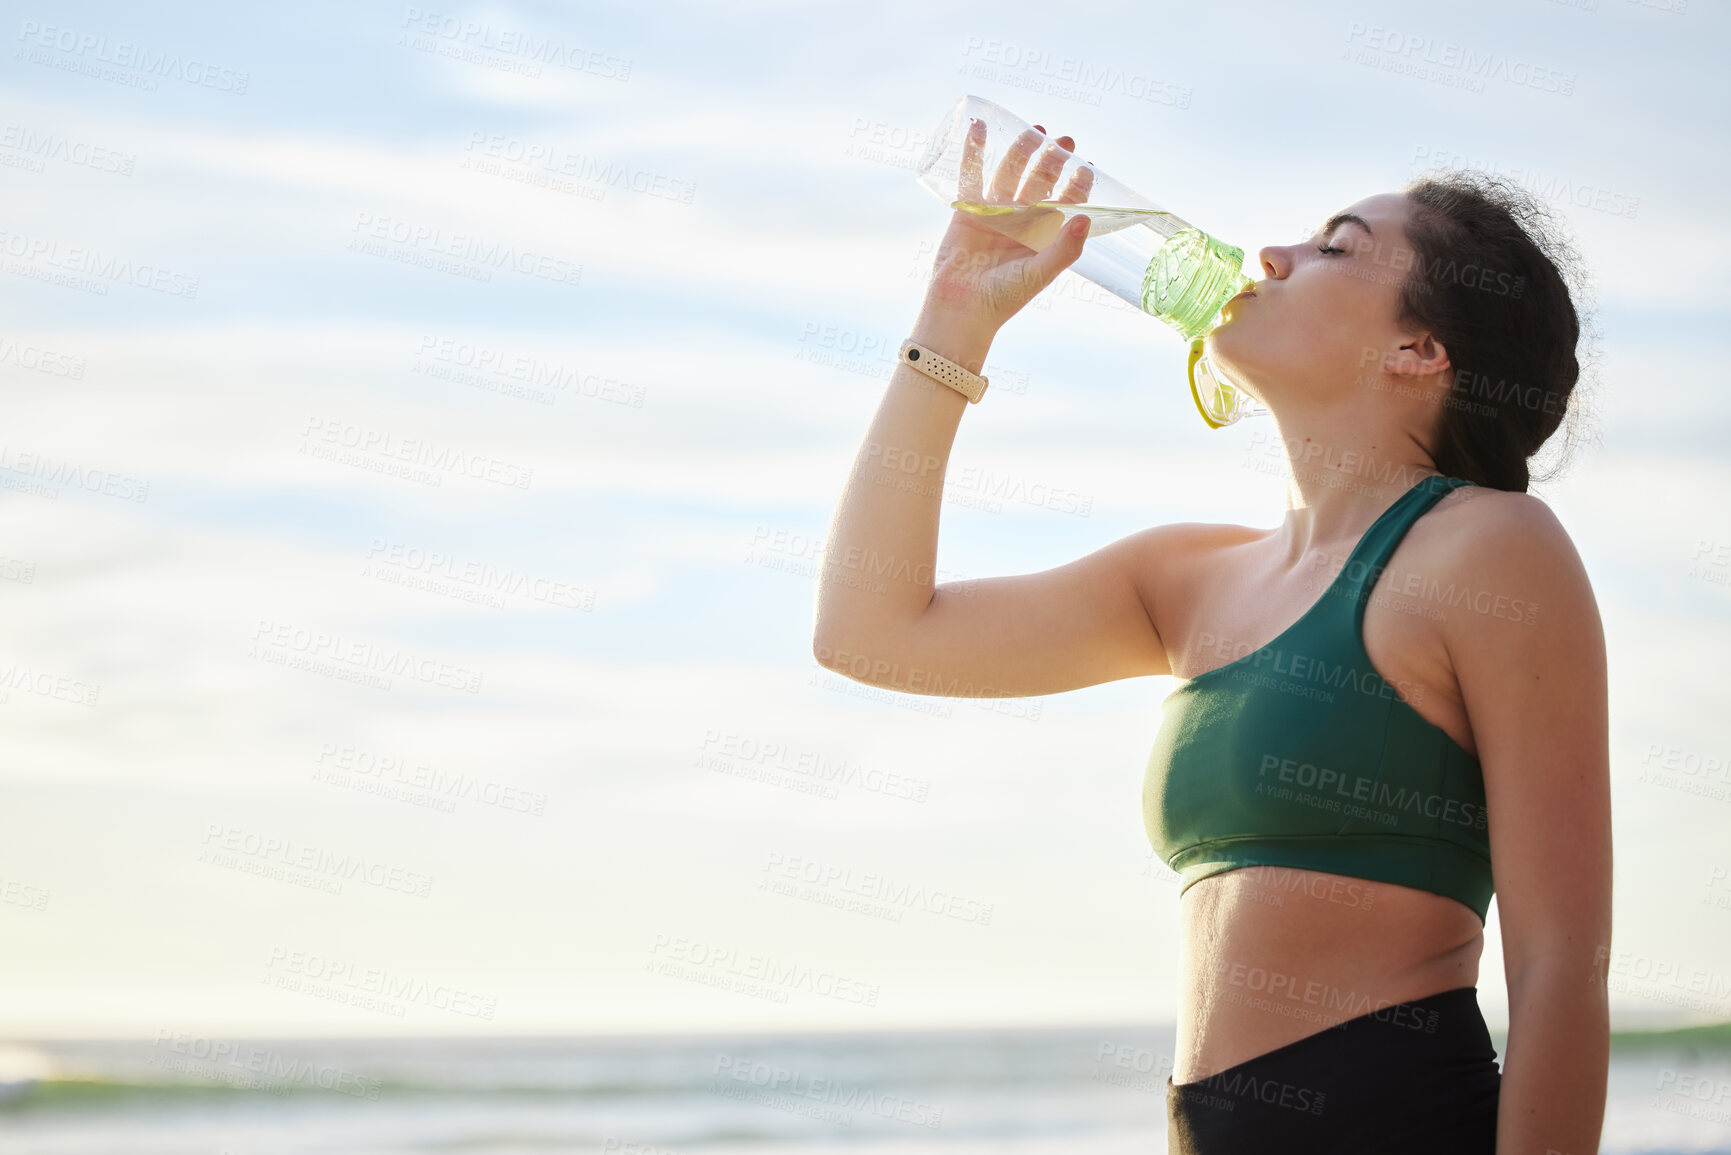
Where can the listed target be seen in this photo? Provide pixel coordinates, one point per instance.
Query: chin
(1236, 363)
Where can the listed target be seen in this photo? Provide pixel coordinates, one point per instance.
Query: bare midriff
(1272, 954)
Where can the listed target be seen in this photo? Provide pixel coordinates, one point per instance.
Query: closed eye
(1329, 249)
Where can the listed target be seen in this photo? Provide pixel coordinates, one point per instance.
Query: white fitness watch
(942, 369)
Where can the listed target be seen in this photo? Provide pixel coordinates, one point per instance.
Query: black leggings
(1411, 1079)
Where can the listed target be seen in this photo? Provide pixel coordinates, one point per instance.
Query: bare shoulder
(1180, 552)
(1502, 532)
(1178, 563)
(1198, 539)
(1506, 556)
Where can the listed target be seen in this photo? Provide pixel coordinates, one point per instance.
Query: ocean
(1074, 1091)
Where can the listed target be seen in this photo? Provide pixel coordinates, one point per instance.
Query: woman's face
(1324, 315)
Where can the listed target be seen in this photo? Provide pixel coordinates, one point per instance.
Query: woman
(1392, 703)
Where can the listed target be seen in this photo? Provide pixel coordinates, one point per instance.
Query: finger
(973, 161)
(1009, 174)
(1044, 174)
(1080, 184)
(1043, 267)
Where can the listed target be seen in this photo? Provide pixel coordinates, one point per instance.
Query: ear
(1422, 356)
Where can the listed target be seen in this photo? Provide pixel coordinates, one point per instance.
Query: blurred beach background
(1097, 1092)
(420, 427)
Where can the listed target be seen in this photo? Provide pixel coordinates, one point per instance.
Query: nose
(1276, 261)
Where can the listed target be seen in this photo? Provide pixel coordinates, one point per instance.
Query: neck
(1345, 470)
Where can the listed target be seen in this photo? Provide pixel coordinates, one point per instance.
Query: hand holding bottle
(1143, 254)
(982, 277)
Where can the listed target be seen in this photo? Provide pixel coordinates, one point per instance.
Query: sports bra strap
(1370, 556)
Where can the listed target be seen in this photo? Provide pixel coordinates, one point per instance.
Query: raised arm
(881, 617)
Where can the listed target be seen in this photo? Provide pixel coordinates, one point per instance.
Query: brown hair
(1492, 279)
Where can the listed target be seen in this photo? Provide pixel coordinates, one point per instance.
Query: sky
(274, 424)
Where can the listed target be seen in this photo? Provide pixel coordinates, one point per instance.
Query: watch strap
(942, 369)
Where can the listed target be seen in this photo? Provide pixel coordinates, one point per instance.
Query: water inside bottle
(1186, 282)
(1037, 225)
(1189, 278)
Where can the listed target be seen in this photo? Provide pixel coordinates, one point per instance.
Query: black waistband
(1413, 1078)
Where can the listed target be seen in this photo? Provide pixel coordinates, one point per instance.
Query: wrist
(961, 339)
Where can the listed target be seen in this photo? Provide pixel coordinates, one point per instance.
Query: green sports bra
(1300, 754)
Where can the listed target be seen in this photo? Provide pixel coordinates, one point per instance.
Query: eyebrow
(1338, 219)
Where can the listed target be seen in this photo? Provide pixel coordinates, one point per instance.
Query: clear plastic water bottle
(1136, 250)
